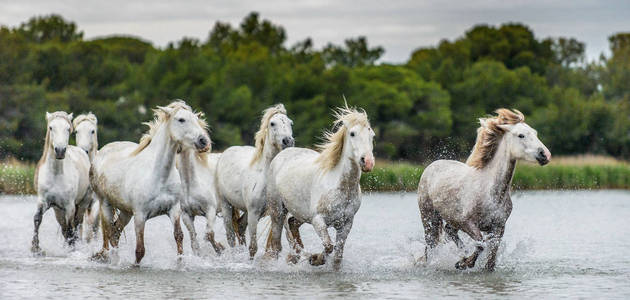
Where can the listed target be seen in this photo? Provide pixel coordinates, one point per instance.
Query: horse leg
(139, 227)
(253, 216)
(322, 231)
(294, 239)
(92, 219)
(174, 214)
(211, 215)
(37, 221)
(60, 215)
(473, 231)
(278, 214)
(117, 227)
(228, 212)
(189, 222)
(340, 241)
(70, 215)
(451, 233)
(493, 243)
(77, 222)
(240, 225)
(432, 224)
(106, 216)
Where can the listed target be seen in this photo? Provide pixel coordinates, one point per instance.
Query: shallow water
(557, 244)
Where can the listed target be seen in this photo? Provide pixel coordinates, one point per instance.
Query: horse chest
(338, 205)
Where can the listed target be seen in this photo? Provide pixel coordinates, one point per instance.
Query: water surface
(557, 244)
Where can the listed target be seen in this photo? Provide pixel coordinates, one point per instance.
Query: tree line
(424, 109)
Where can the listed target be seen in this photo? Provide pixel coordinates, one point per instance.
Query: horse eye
(273, 124)
(352, 134)
(92, 132)
(50, 127)
(181, 120)
(521, 135)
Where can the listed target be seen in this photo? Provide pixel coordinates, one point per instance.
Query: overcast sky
(398, 26)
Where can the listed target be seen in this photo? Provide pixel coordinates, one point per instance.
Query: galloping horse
(240, 175)
(86, 128)
(321, 188)
(140, 180)
(61, 178)
(196, 170)
(475, 197)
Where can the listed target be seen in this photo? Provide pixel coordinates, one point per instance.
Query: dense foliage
(421, 110)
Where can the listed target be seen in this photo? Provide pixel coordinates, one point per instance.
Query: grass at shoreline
(574, 172)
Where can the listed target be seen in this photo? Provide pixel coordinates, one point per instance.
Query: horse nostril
(203, 142)
(363, 160)
(285, 141)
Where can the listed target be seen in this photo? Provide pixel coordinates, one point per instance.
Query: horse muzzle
(367, 163)
(60, 153)
(543, 156)
(287, 142)
(202, 144)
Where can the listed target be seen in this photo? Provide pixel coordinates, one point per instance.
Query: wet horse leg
(493, 244)
(278, 214)
(240, 225)
(174, 215)
(189, 222)
(473, 231)
(37, 221)
(253, 216)
(60, 215)
(139, 222)
(228, 213)
(294, 239)
(211, 215)
(322, 231)
(106, 216)
(432, 224)
(118, 226)
(340, 242)
(451, 233)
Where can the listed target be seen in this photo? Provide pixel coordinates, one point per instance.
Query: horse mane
(161, 117)
(49, 117)
(261, 134)
(89, 117)
(332, 147)
(489, 136)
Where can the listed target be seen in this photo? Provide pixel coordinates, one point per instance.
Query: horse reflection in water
(475, 197)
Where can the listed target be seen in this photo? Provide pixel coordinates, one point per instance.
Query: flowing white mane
(332, 148)
(261, 134)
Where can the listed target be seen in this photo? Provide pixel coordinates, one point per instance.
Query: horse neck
(501, 170)
(269, 152)
(347, 169)
(94, 149)
(187, 169)
(161, 150)
(54, 165)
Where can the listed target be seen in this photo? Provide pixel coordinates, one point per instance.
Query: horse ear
(48, 116)
(70, 116)
(165, 109)
(482, 122)
(505, 127)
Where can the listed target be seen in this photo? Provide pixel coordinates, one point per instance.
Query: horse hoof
(293, 259)
(317, 259)
(337, 265)
(100, 257)
(462, 265)
(219, 248)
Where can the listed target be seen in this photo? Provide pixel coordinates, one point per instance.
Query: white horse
(196, 171)
(321, 188)
(475, 197)
(61, 178)
(240, 172)
(86, 132)
(140, 180)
